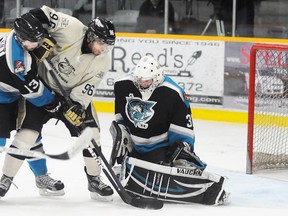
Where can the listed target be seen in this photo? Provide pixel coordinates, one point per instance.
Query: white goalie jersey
(78, 73)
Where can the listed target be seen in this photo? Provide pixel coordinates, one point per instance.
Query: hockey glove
(47, 47)
(122, 143)
(75, 114)
(54, 107)
(181, 154)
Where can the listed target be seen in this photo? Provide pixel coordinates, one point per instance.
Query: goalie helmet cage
(267, 137)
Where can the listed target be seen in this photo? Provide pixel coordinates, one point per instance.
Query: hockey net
(267, 146)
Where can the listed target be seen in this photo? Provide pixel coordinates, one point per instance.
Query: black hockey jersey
(18, 75)
(161, 120)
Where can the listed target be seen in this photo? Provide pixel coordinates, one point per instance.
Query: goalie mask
(148, 75)
(101, 28)
(28, 28)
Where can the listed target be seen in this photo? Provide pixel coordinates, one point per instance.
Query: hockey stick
(140, 202)
(85, 137)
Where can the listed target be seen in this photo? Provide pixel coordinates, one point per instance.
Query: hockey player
(81, 60)
(19, 79)
(154, 127)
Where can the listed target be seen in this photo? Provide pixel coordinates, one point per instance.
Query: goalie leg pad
(172, 184)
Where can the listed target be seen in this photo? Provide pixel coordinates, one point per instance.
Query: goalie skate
(224, 198)
(49, 186)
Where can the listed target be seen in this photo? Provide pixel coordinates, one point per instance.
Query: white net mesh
(270, 137)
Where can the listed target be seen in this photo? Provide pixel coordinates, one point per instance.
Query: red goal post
(267, 135)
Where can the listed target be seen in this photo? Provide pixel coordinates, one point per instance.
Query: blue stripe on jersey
(20, 77)
(172, 137)
(18, 59)
(169, 80)
(149, 147)
(46, 98)
(8, 97)
(2, 141)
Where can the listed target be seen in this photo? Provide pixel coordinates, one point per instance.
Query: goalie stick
(81, 142)
(140, 202)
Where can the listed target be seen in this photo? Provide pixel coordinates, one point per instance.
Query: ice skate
(224, 198)
(5, 184)
(224, 195)
(98, 189)
(49, 186)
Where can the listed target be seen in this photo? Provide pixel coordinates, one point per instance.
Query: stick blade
(82, 141)
(63, 156)
(147, 203)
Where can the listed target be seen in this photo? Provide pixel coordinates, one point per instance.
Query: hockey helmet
(148, 69)
(28, 27)
(101, 28)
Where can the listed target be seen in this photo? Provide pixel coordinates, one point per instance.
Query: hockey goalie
(153, 140)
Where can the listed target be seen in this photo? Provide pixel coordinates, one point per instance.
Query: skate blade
(224, 200)
(47, 192)
(96, 196)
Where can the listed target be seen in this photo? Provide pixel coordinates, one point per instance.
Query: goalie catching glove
(44, 50)
(122, 143)
(75, 114)
(182, 155)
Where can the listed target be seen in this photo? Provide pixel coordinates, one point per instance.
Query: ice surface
(221, 145)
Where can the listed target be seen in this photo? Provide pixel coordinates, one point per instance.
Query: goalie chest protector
(153, 117)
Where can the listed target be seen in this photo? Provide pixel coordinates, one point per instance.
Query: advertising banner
(196, 65)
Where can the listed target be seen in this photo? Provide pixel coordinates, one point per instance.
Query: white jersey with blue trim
(157, 122)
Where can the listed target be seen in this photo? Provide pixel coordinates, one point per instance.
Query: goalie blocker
(180, 185)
